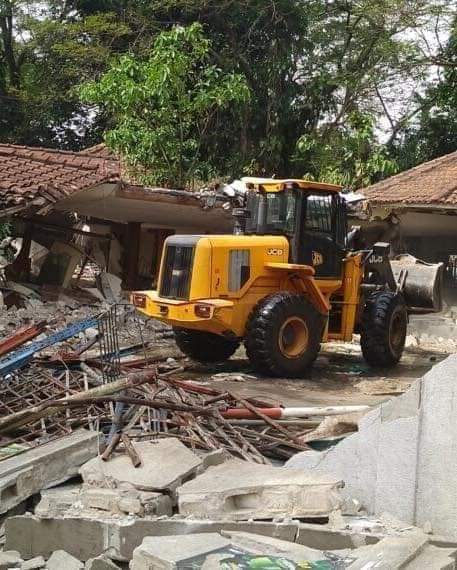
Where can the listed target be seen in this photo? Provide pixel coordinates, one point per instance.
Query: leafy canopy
(352, 157)
(317, 73)
(163, 106)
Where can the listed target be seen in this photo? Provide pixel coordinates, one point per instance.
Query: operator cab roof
(274, 185)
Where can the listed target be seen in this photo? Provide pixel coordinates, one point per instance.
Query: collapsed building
(73, 209)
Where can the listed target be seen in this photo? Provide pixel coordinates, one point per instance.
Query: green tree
(352, 157)
(309, 66)
(63, 55)
(163, 107)
(433, 132)
(46, 49)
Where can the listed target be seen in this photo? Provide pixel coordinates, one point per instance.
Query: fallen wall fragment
(24, 475)
(404, 456)
(166, 464)
(240, 549)
(118, 537)
(239, 490)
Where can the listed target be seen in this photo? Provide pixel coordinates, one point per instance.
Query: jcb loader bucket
(423, 288)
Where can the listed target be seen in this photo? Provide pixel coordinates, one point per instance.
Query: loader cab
(311, 215)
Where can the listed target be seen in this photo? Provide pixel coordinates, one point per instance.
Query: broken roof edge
(157, 193)
(413, 205)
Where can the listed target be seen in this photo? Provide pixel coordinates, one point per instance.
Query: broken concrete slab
(100, 563)
(102, 499)
(57, 500)
(34, 563)
(171, 551)
(118, 537)
(81, 537)
(324, 537)
(50, 464)
(434, 557)
(258, 544)
(391, 552)
(10, 559)
(61, 560)
(239, 490)
(71, 499)
(165, 465)
(206, 551)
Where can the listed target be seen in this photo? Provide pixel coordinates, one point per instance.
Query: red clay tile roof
(431, 183)
(32, 176)
(100, 150)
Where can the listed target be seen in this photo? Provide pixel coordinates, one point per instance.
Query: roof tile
(432, 183)
(27, 173)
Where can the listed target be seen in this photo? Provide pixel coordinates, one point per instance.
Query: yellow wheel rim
(293, 337)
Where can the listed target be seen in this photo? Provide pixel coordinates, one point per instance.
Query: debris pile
(60, 357)
(109, 439)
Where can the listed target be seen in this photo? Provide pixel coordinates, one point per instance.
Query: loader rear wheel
(384, 326)
(204, 346)
(283, 335)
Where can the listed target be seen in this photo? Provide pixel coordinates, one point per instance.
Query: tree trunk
(6, 28)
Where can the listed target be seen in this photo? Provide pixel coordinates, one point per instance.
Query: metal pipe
(296, 422)
(283, 413)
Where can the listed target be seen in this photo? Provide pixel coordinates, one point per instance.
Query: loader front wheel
(204, 346)
(383, 330)
(283, 335)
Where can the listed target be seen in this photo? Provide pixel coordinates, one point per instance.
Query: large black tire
(384, 327)
(204, 346)
(283, 335)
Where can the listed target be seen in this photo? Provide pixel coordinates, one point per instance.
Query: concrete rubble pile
(180, 507)
(110, 457)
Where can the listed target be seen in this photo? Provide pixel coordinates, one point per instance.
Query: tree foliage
(433, 132)
(164, 106)
(351, 158)
(324, 78)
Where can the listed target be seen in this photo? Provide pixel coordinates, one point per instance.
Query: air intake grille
(177, 271)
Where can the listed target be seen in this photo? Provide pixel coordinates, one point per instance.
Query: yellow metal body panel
(349, 298)
(228, 311)
(274, 185)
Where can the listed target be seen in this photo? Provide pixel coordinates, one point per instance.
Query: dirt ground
(340, 376)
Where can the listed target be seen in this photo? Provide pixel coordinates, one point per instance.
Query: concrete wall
(403, 460)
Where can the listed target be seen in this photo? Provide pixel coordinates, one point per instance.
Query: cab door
(321, 233)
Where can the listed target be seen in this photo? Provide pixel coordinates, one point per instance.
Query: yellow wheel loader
(286, 281)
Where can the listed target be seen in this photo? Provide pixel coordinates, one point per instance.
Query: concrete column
(131, 255)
